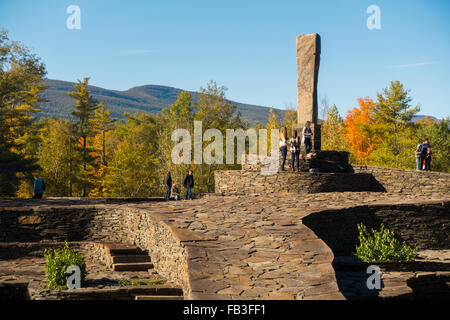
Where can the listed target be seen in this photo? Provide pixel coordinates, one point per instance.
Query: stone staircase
(129, 258)
(120, 257)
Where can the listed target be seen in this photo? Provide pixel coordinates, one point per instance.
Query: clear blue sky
(246, 45)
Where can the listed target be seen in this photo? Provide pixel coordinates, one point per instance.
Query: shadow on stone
(422, 226)
(430, 287)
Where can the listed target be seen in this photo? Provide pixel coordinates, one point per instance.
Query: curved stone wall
(364, 178)
(235, 182)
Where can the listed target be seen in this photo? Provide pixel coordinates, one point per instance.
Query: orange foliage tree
(359, 130)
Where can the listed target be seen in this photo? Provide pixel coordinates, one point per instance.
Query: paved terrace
(253, 247)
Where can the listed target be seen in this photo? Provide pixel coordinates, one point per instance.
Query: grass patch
(123, 283)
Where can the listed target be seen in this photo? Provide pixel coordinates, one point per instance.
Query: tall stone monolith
(308, 60)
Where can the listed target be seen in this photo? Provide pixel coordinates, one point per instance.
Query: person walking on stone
(307, 136)
(168, 185)
(38, 187)
(294, 147)
(188, 183)
(283, 146)
(417, 154)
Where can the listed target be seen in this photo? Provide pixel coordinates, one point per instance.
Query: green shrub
(382, 246)
(56, 265)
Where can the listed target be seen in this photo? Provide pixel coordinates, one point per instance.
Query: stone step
(137, 266)
(115, 249)
(130, 258)
(159, 298)
(124, 251)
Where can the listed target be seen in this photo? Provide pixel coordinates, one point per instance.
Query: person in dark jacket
(168, 185)
(428, 160)
(188, 183)
(423, 153)
(294, 147)
(39, 187)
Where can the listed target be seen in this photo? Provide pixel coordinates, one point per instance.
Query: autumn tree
(393, 114)
(359, 130)
(215, 112)
(272, 123)
(133, 161)
(59, 162)
(289, 120)
(179, 115)
(102, 124)
(21, 76)
(333, 131)
(85, 105)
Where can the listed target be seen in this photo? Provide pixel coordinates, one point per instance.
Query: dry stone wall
(234, 182)
(408, 181)
(425, 226)
(365, 178)
(99, 224)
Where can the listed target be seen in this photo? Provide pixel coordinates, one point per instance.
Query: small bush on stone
(382, 246)
(56, 265)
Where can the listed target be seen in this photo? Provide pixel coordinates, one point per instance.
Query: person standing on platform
(307, 137)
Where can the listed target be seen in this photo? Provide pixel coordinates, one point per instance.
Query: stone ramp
(236, 247)
(257, 247)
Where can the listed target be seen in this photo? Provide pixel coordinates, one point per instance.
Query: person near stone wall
(423, 152)
(168, 185)
(176, 192)
(283, 146)
(428, 160)
(294, 148)
(307, 137)
(417, 154)
(38, 187)
(188, 183)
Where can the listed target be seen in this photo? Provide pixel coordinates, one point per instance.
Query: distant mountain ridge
(145, 99)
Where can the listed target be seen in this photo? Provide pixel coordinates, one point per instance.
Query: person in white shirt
(307, 136)
(283, 146)
(294, 147)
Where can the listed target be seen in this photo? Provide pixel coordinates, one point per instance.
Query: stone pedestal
(316, 161)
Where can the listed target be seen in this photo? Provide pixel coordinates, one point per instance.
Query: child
(428, 160)
(307, 137)
(176, 192)
(294, 144)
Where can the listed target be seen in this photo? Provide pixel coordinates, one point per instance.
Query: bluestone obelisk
(308, 60)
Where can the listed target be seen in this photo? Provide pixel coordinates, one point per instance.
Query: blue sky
(246, 45)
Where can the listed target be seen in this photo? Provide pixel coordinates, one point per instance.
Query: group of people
(172, 189)
(423, 156)
(294, 144)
